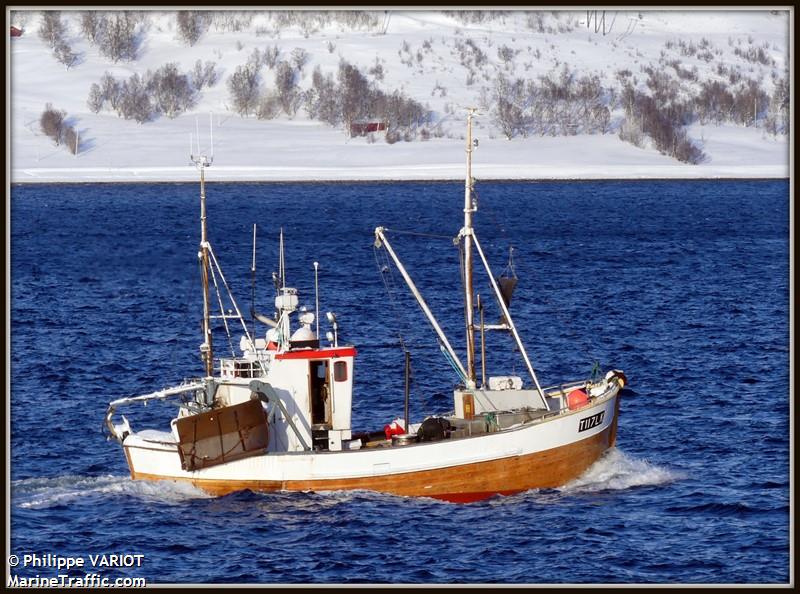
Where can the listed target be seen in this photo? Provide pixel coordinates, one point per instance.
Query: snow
(288, 149)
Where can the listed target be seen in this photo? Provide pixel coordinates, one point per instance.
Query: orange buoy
(577, 399)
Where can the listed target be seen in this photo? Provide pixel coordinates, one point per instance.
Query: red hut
(364, 127)
(16, 31)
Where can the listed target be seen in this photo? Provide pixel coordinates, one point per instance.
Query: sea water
(684, 285)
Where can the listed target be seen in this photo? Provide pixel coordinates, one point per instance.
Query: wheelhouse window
(340, 371)
(246, 369)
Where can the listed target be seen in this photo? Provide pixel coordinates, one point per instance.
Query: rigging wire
(418, 234)
(387, 276)
(222, 309)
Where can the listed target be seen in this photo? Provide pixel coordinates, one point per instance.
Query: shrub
(52, 123)
(321, 101)
(231, 20)
(269, 106)
(65, 55)
(191, 25)
(506, 54)
(299, 58)
(662, 124)
(166, 91)
(204, 76)
(777, 121)
(255, 59)
(351, 97)
(171, 91)
(134, 100)
(243, 86)
(377, 70)
(71, 139)
(684, 149)
(630, 131)
(748, 101)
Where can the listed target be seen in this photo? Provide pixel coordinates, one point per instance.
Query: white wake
(618, 471)
(50, 491)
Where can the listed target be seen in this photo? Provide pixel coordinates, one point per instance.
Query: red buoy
(577, 399)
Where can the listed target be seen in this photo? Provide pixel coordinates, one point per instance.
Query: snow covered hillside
(573, 94)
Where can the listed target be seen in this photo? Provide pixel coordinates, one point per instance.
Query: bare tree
(96, 98)
(322, 100)
(134, 100)
(354, 93)
(92, 25)
(119, 39)
(286, 85)
(52, 29)
(777, 121)
(270, 56)
(111, 90)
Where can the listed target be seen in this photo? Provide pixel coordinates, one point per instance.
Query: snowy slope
(419, 55)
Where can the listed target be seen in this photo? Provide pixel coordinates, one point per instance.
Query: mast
(206, 349)
(469, 208)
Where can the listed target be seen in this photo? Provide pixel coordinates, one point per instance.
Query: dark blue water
(683, 285)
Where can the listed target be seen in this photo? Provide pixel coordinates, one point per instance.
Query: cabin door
(320, 395)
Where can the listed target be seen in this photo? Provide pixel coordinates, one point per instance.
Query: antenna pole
(316, 295)
(281, 264)
(469, 208)
(197, 125)
(408, 389)
(253, 283)
(483, 344)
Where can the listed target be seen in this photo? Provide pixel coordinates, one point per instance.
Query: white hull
(153, 459)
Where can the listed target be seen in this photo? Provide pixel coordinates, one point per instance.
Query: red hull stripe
(319, 354)
(472, 497)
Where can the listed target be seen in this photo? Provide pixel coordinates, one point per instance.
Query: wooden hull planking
(460, 484)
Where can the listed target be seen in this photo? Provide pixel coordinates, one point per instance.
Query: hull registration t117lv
(590, 422)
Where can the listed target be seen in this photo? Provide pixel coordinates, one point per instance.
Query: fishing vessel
(276, 415)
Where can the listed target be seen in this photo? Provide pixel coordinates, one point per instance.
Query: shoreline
(356, 176)
(395, 181)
